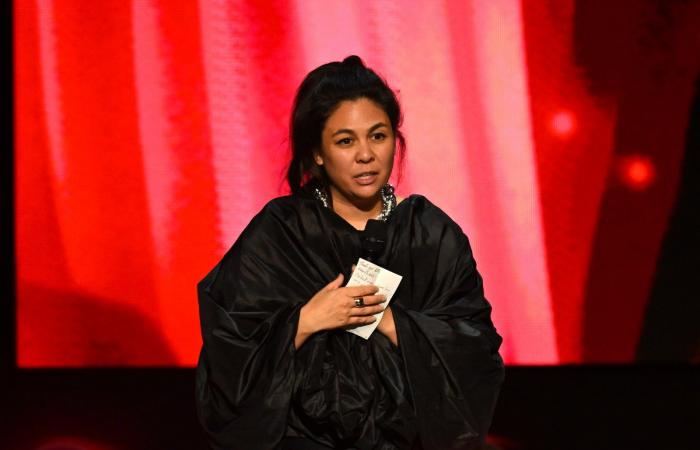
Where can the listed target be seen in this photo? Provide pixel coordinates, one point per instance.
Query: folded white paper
(365, 273)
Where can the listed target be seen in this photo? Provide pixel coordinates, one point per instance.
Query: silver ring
(359, 301)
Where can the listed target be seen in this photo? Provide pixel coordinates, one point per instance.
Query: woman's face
(357, 151)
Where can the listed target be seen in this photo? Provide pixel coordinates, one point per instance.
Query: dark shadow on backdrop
(92, 331)
(645, 56)
(7, 230)
(671, 330)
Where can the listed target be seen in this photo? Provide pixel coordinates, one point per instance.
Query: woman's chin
(367, 192)
(362, 195)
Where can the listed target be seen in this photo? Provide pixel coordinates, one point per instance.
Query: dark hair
(321, 92)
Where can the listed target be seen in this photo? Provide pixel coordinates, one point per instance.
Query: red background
(148, 133)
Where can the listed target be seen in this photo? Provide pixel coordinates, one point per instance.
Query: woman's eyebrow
(372, 128)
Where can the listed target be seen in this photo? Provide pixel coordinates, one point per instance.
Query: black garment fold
(436, 390)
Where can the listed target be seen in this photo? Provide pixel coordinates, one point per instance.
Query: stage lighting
(563, 124)
(637, 172)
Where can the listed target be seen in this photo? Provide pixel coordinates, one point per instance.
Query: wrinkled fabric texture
(436, 390)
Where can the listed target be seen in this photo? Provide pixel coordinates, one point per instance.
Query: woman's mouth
(366, 178)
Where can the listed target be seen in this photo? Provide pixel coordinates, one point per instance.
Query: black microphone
(373, 239)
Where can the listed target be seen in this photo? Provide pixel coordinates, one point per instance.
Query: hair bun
(354, 60)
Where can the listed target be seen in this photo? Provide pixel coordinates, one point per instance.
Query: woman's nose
(364, 152)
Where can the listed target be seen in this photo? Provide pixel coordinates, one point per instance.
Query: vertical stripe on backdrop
(503, 176)
(250, 62)
(177, 164)
(572, 167)
(51, 88)
(40, 258)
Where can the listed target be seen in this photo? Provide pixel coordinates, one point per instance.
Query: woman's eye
(379, 136)
(344, 141)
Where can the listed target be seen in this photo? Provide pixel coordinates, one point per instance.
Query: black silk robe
(436, 390)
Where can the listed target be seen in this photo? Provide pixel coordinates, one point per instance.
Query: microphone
(373, 239)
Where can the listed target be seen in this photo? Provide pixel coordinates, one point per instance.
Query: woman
(278, 368)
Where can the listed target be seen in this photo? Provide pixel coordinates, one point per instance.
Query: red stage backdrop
(149, 132)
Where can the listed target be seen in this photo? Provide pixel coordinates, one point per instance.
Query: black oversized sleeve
(249, 311)
(450, 346)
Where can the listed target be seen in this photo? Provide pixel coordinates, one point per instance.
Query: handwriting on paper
(367, 272)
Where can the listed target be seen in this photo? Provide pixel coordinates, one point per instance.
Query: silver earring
(388, 201)
(322, 196)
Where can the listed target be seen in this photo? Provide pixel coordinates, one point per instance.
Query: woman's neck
(357, 214)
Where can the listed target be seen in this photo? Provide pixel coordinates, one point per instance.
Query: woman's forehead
(360, 114)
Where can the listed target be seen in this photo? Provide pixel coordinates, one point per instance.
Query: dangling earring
(320, 190)
(321, 195)
(388, 201)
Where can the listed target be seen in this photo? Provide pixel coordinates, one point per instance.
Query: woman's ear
(318, 158)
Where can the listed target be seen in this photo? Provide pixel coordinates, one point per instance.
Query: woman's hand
(334, 307)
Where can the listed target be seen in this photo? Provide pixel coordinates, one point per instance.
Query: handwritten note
(365, 273)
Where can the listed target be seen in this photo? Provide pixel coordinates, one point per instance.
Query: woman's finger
(367, 300)
(360, 291)
(360, 320)
(366, 310)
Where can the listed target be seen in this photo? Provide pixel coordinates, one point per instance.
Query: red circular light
(563, 124)
(636, 172)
